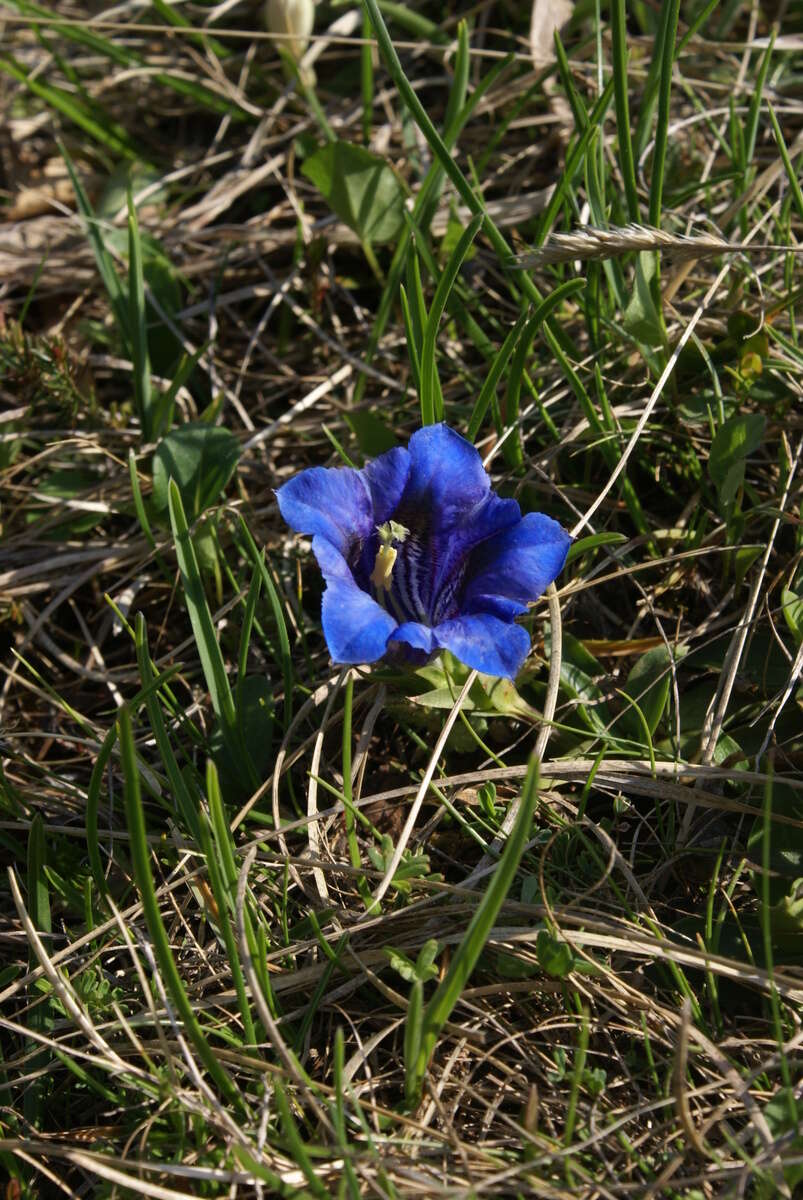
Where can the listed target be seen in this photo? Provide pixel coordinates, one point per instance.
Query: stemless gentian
(419, 555)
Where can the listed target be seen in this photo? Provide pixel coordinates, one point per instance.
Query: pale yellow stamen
(383, 567)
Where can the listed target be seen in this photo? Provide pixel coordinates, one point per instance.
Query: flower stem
(349, 811)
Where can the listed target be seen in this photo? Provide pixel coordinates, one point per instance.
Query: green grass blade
(512, 447)
(574, 160)
(339, 1114)
(439, 147)
(413, 1036)
(626, 163)
(595, 190)
(367, 81)
(321, 990)
(649, 92)
(298, 1151)
(791, 174)
(140, 857)
(578, 1067)
(117, 52)
(424, 208)
(414, 22)
(163, 406)
(285, 657)
(139, 505)
(92, 810)
(766, 925)
(572, 95)
(103, 260)
(38, 890)
(671, 8)
(459, 88)
(247, 628)
(174, 17)
(431, 397)
(40, 1013)
(96, 781)
(754, 111)
(180, 793)
(697, 23)
(221, 830)
(427, 418)
(418, 308)
(138, 327)
(448, 992)
(214, 668)
(224, 901)
(498, 364)
(98, 126)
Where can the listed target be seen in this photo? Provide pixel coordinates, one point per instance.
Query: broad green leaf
(449, 241)
(504, 698)
(735, 439)
(373, 435)
(423, 969)
(38, 891)
(576, 670)
(786, 917)
(505, 965)
(360, 187)
(793, 612)
(68, 482)
(488, 694)
(254, 733)
(592, 542)
(743, 560)
(201, 459)
(554, 957)
(128, 177)
(648, 684)
(641, 316)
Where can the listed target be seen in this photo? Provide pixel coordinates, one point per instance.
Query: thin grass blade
(448, 992)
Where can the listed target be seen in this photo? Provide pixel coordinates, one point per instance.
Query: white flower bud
(294, 17)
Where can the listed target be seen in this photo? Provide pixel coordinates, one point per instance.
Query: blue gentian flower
(419, 555)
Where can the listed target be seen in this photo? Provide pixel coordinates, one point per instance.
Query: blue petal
(446, 474)
(501, 606)
(356, 628)
(416, 636)
(518, 564)
(333, 502)
(484, 642)
(387, 477)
